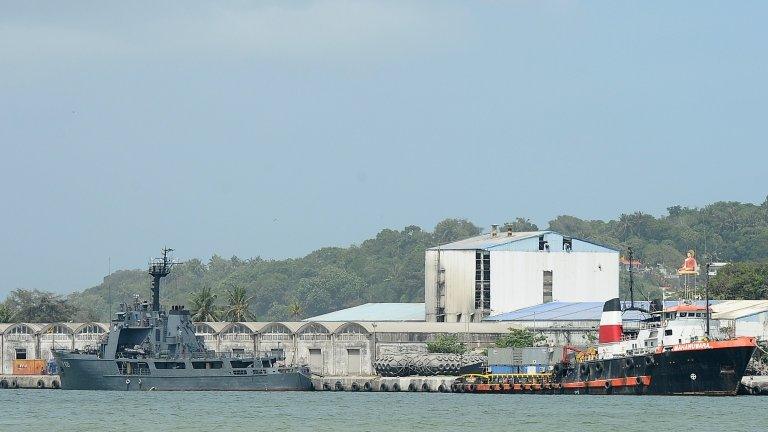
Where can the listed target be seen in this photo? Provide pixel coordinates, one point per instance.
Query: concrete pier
(30, 381)
(430, 384)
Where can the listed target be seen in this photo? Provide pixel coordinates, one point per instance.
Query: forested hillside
(390, 267)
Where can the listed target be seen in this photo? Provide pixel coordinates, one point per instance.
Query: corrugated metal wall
(517, 277)
(430, 284)
(459, 277)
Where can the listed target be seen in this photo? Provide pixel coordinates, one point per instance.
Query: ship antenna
(632, 286)
(706, 296)
(631, 282)
(158, 269)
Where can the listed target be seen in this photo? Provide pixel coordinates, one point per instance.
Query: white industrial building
(502, 271)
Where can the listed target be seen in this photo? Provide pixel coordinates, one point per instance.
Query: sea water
(58, 410)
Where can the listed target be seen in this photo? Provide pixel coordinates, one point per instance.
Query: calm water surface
(49, 410)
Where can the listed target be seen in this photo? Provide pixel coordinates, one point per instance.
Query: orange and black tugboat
(675, 353)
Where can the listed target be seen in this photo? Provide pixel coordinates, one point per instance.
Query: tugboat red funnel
(610, 322)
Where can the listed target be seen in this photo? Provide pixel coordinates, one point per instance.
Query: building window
(21, 353)
(483, 280)
(567, 244)
(547, 286)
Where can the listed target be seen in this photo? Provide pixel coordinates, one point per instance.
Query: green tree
(446, 344)
(450, 230)
(740, 281)
(521, 225)
(6, 314)
(520, 338)
(39, 306)
(204, 305)
(238, 304)
(295, 309)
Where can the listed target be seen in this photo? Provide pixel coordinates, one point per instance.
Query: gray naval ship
(153, 349)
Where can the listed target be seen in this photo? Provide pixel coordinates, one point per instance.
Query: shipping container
(503, 369)
(29, 367)
(538, 355)
(500, 356)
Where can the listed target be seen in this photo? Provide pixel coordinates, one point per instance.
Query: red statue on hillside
(689, 266)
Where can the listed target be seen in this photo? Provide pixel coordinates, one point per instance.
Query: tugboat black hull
(84, 372)
(699, 368)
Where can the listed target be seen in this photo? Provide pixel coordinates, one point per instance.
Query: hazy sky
(275, 128)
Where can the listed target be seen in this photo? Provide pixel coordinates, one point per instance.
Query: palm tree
(238, 304)
(204, 305)
(295, 309)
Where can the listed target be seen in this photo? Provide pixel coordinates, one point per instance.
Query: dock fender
(557, 369)
(339, 386)
(441, 388)
(55, 384)
(396, 387)
(583, 369)
(4, 384)
(629, 363)
(40, 384)
(383, 387)
(650, 360)
(412, 387)
(326, 386)
(355, 386)
(598, 368)
(425, 387)
(14, 384)
(367, 386)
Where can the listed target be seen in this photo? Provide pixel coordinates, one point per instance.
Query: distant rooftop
(522, 240)
(591, 311)
(376, 312)
(485, 241)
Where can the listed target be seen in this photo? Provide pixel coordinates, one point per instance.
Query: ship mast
(158, 269)
(632, 286)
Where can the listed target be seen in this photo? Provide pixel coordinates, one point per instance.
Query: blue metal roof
(376, 312)
(575, 311)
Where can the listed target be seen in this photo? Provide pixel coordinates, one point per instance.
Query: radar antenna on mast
(158, 269)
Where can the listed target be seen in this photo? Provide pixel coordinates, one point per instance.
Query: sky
(275, 128)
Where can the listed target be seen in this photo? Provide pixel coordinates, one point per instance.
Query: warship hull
(88, 372)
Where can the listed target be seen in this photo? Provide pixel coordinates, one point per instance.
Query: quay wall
(329, 348)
